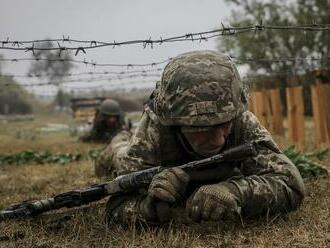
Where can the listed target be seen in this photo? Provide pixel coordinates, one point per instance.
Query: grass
(85, 227)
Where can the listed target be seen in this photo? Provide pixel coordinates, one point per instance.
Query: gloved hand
(165, 188)
(213, 202)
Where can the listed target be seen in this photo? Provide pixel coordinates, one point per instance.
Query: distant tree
(53, 70)
(62, 99)
(50, 69)
(281, 43)
(13, 98)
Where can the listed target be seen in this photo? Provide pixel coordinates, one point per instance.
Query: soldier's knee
(298, 191)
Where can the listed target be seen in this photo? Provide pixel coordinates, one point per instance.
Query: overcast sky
(109, 20)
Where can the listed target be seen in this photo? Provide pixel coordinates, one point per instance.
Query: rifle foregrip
(138, 179)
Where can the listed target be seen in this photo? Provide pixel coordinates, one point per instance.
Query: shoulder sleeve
(271, 182)
(128, 153)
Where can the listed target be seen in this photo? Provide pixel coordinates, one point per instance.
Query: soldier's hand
(213, 202)
(169, 185)
(165, 188)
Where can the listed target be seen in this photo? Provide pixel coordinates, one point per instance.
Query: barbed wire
(121, 73)
(112, 85)
(108, 86)
(21, 45)
(92, 63)
(87, 80)
(239, 60)
(143, 73)
(274, 76)
(250, 78)
(279, 59)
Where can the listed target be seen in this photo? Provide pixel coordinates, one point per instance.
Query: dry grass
(26, 135)
(85, 227)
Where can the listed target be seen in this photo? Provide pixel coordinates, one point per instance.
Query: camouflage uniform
(266, 183)
(99, 132)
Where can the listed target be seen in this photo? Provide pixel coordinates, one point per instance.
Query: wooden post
(316, 116)
(267, 107)
(321, 110)
(327, 109)
(261, 107)
(276, 111)
(296, 122)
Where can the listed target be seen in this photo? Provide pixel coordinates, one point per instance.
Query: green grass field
(85, 227)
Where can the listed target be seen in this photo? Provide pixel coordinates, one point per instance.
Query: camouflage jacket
(268, 182)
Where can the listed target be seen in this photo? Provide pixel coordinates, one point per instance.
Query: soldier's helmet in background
(110, 107)
(201, 88)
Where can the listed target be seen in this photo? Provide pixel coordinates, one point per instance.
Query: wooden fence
(267, 105)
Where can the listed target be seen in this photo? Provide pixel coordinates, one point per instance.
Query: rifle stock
(121, 184)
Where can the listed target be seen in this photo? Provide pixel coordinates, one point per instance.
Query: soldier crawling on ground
(198, 110)
(109, 120)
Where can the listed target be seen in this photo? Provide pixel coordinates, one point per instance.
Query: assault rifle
(120, 185)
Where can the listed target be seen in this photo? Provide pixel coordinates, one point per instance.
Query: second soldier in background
(109, 120)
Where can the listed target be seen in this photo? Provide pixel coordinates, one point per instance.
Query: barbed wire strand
(19, 45)
(85, 62)
(143, 73)
(246, 79)
(31, 75)
(225, 30)
(87, 80)
(116, 85)
(153, 64)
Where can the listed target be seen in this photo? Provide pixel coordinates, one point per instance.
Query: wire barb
(30, 49)
(80, 49)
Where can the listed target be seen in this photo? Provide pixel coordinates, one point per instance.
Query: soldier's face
(209, 142)
(111, 121)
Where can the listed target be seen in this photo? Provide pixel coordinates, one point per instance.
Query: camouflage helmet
(201, 88)
(110, 107)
